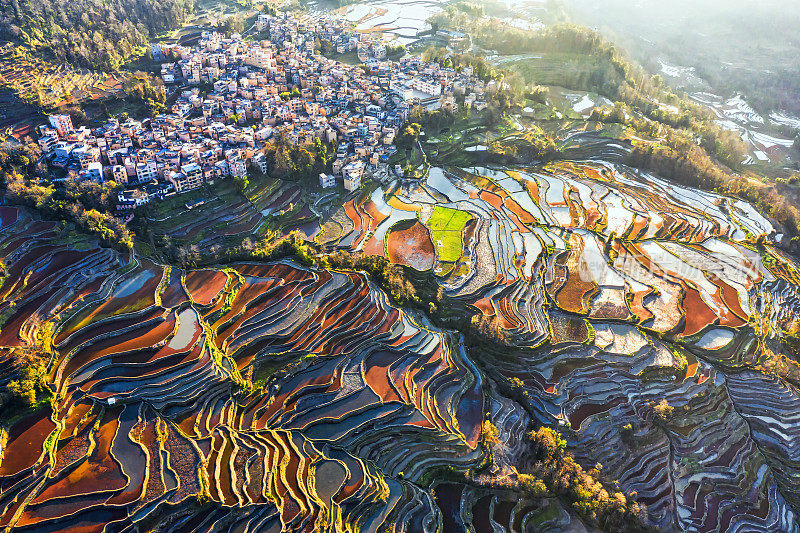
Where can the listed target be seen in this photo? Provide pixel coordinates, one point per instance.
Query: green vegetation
(395, 51)
(446, 226)
(87, 204)
(741, 54)
(232, 24)
(579, 58)
(328, 49)
(451, 132)
(29, 384)
(488, 329)
(140, 90)
(28, 389)
(290, 161)
(242, 182)
(662, 411)
(490, 433)
(547, 464)
(89, 33)
(460, 61)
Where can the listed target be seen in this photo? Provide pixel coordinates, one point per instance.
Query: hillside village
(258, 90)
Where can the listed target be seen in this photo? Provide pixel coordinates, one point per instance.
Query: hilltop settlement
(234, 95)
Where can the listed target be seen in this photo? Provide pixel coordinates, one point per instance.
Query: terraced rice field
(150, 412)
(648, 266)
(273, 397)
(447, 226)
(54, 84)
(227, 217)
(411, 246)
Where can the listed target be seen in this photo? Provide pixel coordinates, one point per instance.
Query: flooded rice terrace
(736, 114)
(402, 19)
(615, 290)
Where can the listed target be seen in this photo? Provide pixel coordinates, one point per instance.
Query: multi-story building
(262, 23)
(238, 168)
(48, 142)
(326, 181)
(132, 198)
(146, 171)
(427, 85)
(190, 177)
(352, 175)
(260, 160)
(119, 174)
(94, 172)
(62, 124)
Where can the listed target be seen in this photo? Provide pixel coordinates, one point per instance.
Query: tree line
(289, 161)
(547, 468)
(594, 64)
(684, 162)
(99, 34)
(152, 97)
(87, 204)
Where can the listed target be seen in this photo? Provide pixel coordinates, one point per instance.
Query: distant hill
(735, 45)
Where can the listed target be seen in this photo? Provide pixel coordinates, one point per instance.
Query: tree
(408, 135)
(232, 24)
(490, 328)
(90, 33)
(30, 365)
(490, 434)
(30, 382)
(86, 204)
(549, 469)
(241, 183)
(395, 50)
(538, 93)
(139, 88)
(663, 411)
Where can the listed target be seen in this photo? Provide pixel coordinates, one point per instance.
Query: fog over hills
(744, 45)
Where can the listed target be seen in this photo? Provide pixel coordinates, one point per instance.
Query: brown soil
(411, 247)
(698, 314)
(204, 285)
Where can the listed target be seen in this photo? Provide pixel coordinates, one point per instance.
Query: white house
(352, 175)
(48, 142)
(238, 168)
(133, 197)
(260, 160)
(427, 86)
(326, 181)
(146, 172)
(94, 171)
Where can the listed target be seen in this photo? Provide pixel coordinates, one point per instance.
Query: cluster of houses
(252, 91)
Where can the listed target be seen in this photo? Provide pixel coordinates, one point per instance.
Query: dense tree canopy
(88, 205)
(295, 162)
(89, 33)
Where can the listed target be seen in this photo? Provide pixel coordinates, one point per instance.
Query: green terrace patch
(446, 226)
